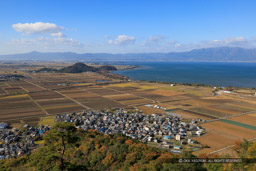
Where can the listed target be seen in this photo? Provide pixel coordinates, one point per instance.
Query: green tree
(61, 136)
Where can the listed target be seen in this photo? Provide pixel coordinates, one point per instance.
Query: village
(17, 142)
(162, 131)
(159, 130)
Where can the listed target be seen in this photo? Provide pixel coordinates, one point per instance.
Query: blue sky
(124, 26)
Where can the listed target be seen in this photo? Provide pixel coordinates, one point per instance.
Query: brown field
(215, 140)
(148, 95)
(250, 104)
(229, 129)
(55, 102)
(45, 95)
(20, 116)
(18, 107)
(2, 92)
(25, 85)
(177, 98)
(122, 97)
(220, 135)
(191, 115)
(14, 90)
(104, 91)
(150, 110)
(247, 119)
(136, 102)
(82, 94)
(166, 92)
(125, 89)
(210, 112)
(100, 103)
(224, 108)
(64, 109)
(241, 108)
(218, 99)
(196, 102)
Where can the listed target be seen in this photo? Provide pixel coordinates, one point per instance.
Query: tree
(59, 137)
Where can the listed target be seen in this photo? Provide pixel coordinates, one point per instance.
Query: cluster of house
(156, 128)
(17, 142)
(11, 77)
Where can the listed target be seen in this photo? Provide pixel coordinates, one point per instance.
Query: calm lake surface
(216, 74)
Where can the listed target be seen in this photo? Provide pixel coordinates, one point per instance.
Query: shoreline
(177, 83)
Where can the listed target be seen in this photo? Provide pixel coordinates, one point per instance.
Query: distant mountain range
(221, 54)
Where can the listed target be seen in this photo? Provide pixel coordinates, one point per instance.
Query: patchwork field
(47, 94)
(221, 134)
(18, 107)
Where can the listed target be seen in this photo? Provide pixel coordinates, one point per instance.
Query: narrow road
(77, 102)
(35, 85)
(240, 114)
(38, 105)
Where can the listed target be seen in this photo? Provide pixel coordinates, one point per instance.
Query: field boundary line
(38, 105)
(35, 85)
(24, 89)
(18, 119)
(241, 114)
(77, 102)
(216, 151)
(5, 90)
(153, 101)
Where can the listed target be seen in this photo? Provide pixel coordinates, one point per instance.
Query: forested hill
(220, 54)
(79, 68)
(68, 148)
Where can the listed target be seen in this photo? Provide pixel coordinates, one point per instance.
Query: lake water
(216, 74)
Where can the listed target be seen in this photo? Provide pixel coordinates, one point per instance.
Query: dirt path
(241, 114)
(77, 102)
(230, 146)
(38, 105)
(35, 85)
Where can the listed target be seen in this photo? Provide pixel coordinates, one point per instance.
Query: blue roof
(167, 137)
(3, 125)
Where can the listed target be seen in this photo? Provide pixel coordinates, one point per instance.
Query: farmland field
(47, 94)
(221, 135)
(247, 119)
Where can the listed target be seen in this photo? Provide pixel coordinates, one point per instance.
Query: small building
(3, 125)
(166, 146)
(190, 141)
(167, 137)
(134, 136)
(177, 137)
(176, 147)
(199, 133)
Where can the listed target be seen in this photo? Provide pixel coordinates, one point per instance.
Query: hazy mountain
(225, 54)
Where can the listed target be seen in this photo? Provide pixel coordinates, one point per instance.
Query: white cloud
(226, 42)
(153, 40)
(161, 44)
(122, 40)
(59, 34)
(37, 28)
(108, 37)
